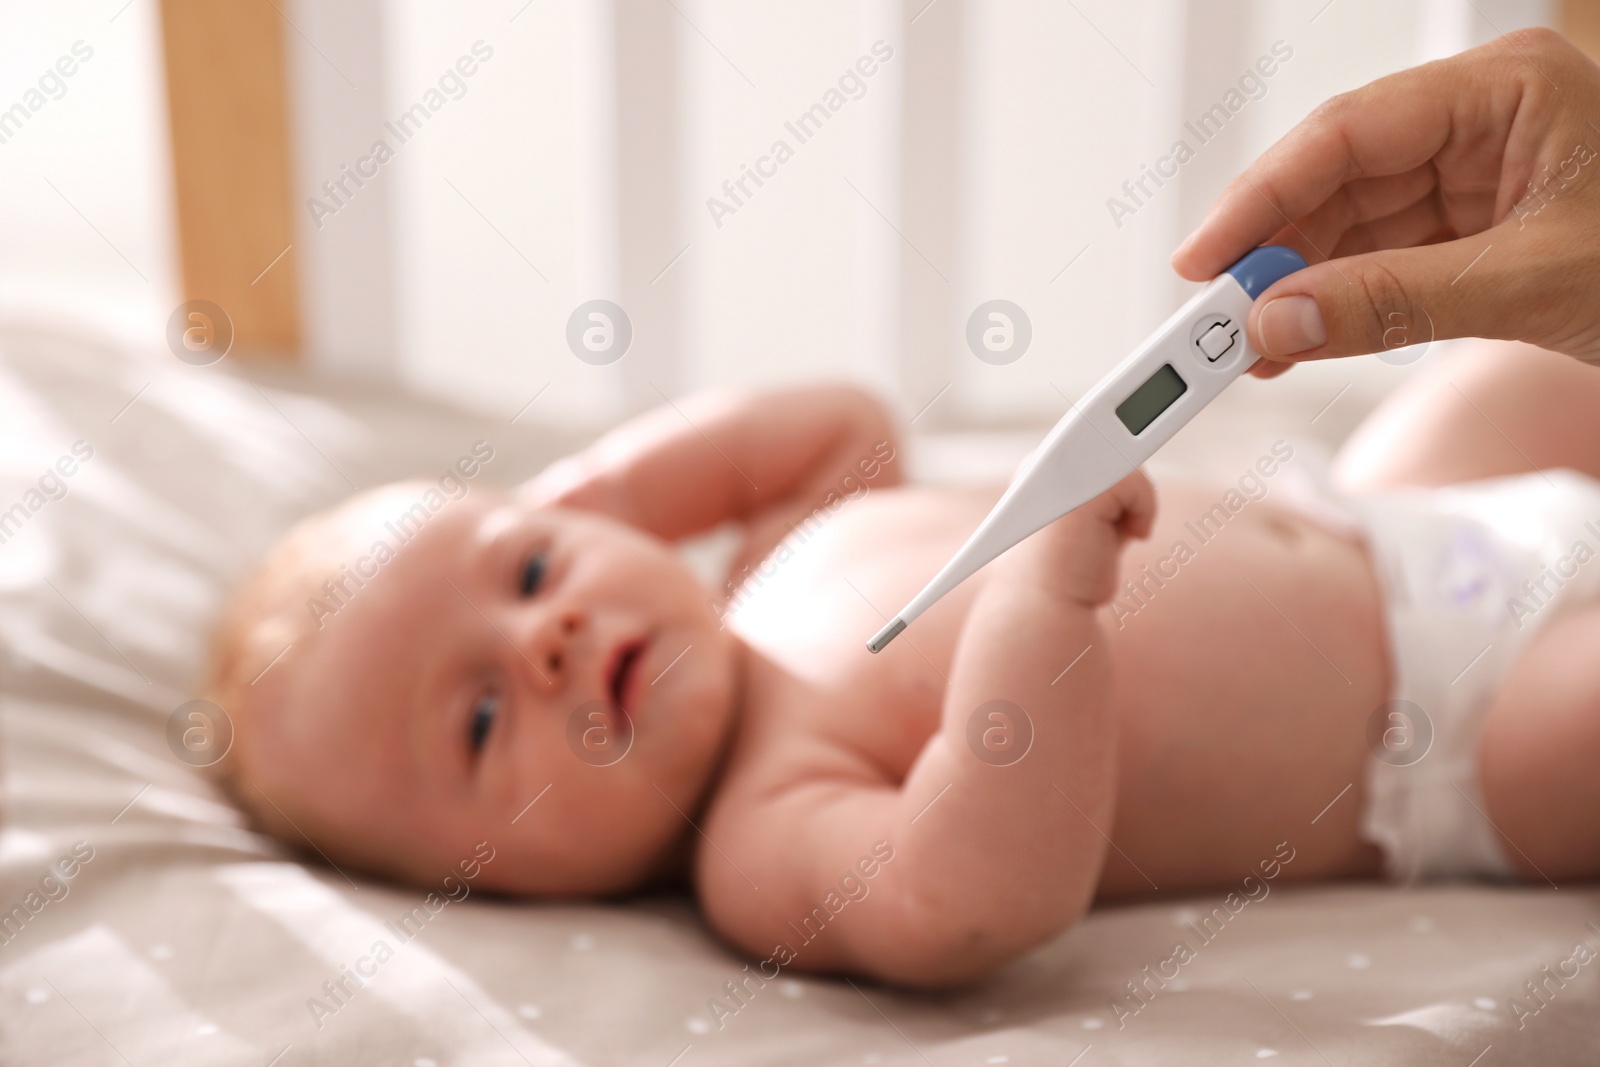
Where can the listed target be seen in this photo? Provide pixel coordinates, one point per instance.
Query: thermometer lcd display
(1151, 399)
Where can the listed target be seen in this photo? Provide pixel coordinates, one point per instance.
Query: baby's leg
(1488, 409)
(1496, 408)
(1539, 749)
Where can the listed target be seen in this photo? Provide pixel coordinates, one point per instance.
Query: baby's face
(505, 653)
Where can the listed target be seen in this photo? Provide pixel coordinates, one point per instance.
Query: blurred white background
(578, 160)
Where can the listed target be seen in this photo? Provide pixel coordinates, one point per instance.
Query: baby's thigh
(1484, 409)
(1539, 749)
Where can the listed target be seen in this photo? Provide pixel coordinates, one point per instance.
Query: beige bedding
(182, 938)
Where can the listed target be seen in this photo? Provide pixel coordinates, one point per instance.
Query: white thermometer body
(1122, 421)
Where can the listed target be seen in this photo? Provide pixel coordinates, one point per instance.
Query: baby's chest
(807, 611)
(881, 719)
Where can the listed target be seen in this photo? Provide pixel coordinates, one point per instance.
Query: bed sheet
(183, 937)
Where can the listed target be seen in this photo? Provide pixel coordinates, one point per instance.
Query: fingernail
(1291, 324)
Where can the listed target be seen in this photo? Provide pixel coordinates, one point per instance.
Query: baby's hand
(577, 482)
(1075, 557)
(754, 458)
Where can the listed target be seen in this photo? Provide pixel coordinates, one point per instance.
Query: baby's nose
(552, 643)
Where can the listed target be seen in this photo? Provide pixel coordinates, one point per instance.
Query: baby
(1407, 687)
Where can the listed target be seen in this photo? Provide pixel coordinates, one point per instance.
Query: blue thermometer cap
(1259, 270)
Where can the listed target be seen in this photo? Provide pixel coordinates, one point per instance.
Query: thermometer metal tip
(885, 635)
(1122, 421)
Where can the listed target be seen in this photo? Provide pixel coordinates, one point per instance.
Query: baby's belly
(1246, 664)
(1248, 655)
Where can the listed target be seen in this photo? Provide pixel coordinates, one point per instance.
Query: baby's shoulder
(798, 734)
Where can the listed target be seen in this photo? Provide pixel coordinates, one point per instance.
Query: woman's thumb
(1386, 300)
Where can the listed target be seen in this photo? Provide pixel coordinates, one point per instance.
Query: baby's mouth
(624, 667)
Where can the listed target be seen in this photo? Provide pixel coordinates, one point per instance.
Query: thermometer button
(1216, 336)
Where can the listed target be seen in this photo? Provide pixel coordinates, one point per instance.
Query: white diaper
(1469, 574)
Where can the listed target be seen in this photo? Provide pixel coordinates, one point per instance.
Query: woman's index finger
(1388, 127)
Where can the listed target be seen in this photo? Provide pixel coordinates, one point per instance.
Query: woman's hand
(1457, 199)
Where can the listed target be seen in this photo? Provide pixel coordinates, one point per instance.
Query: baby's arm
(767, 459)
(988, 860)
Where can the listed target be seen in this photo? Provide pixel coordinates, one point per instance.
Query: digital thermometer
(1122, 421)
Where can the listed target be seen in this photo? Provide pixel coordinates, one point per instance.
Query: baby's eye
(533, 573)
(483, 713)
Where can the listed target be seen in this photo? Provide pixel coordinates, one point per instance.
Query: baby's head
(446, 666)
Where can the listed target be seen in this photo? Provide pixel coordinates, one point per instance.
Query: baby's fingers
(572, 483)
(1075, 557)
(1129, 507)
